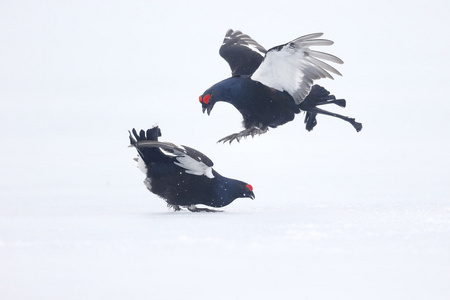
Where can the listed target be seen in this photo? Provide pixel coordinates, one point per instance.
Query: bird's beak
(207, 109)
(252, 196)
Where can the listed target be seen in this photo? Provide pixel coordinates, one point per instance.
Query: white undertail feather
(141, 164)
(294, 66)
(148, 183)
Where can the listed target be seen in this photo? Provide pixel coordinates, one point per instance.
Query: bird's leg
(310, 120)
(174, 207)
(194, 208)
(244, 133)
(356, 125)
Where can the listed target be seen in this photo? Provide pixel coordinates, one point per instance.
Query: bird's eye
(249, 187)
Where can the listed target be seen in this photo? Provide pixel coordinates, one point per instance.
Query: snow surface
(337, 214)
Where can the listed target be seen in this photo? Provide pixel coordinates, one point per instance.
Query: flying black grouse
(270, 87)
(183, 176)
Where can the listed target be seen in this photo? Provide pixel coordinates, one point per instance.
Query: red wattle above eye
(206, 99)
(249, 187)
(200, 99)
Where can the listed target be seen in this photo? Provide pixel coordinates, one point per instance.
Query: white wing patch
(241, 39)
(293, 67)
(168, 153)
(181, 155)
(141, 164)
(254, 48)
(281, 70)
(194, 167)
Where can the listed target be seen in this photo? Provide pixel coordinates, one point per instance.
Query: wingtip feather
(309, 36)
(325, 56)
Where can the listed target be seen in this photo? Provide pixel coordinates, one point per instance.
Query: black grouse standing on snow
(270, 87)
(184, 176)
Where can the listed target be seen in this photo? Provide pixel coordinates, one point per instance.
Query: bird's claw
(243, 134)
(230, 138)
(174, 207)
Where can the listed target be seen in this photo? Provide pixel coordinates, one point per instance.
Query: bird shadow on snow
(186, 213)
(175, 214)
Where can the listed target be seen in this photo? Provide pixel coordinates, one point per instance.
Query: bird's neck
(231, 89)
(225, 189)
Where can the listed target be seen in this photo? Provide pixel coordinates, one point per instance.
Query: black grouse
(270, 87)
(183, 176)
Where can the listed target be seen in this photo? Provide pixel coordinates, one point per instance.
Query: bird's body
(270, 87)
(257, 103)
(183, 176)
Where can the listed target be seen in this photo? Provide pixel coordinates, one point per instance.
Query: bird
(269, 87)
(182, 176)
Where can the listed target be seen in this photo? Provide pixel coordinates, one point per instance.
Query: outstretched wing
(243, 54)
(292, 67)
(193, 161)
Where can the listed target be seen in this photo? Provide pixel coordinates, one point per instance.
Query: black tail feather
(151, 134)
(142, 135)
(340, 102)
(132, 140)
(320, 96)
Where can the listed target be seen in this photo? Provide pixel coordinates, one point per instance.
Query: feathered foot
(174, 207)
(244, 133)
(194, 208)
(310, 120)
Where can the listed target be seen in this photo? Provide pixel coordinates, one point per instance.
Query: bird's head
(241, 190)
(228, 90)
(247, 192)
(227, 190)
(207, 102)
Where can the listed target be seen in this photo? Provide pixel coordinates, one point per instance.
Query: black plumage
(270, 87)
(183, 176)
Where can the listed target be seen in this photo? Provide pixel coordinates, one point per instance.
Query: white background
(337, 215)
